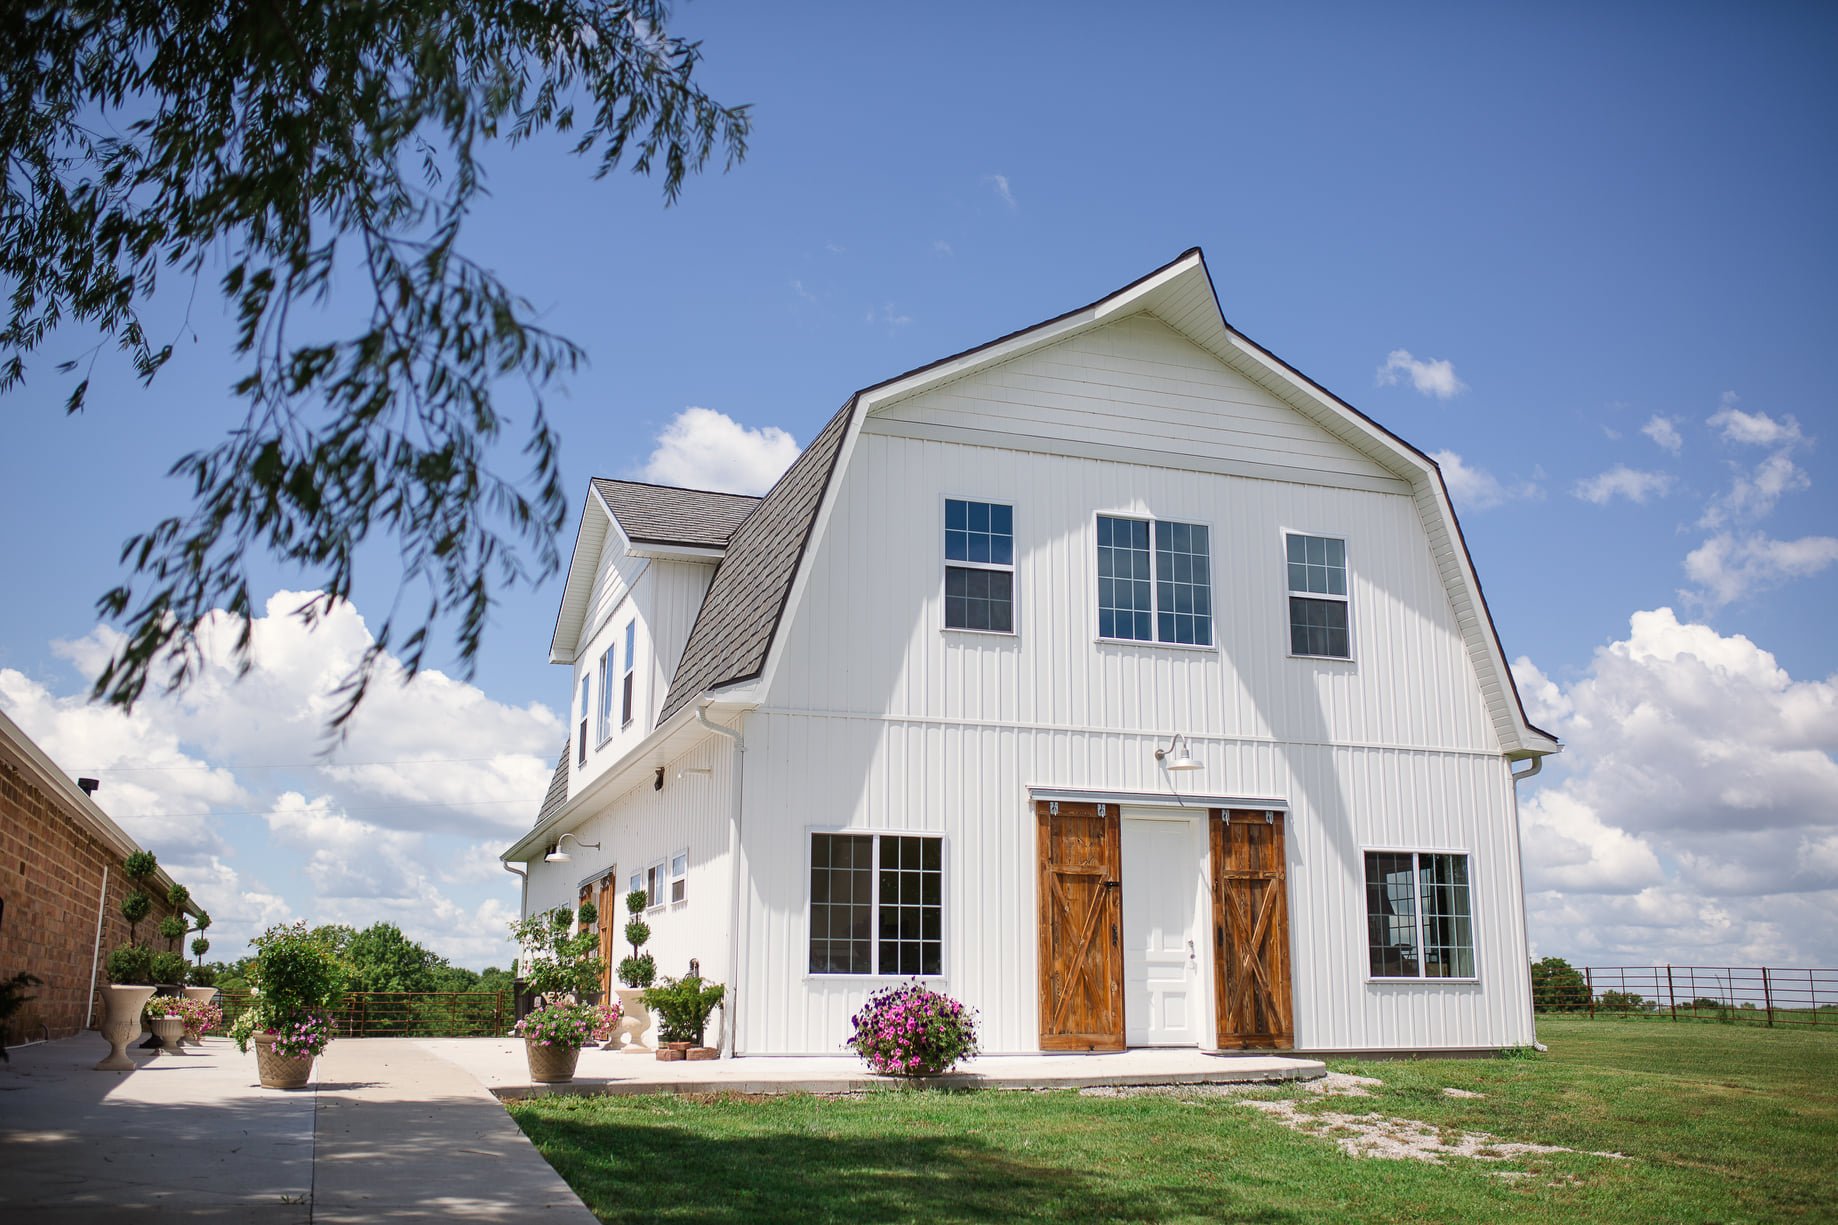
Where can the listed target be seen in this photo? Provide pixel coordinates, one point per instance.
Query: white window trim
(1352, 655)
(874, 902)
(603, 726)
(674, 879)
(1212, 570)
(630, 636)
(944, 563)
(1474, 917)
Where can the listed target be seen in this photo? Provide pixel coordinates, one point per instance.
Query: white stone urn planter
(121, 1024)
(634, 1020)
(169, 1030)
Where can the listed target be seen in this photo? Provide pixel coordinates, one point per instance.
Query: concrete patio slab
(499, 1065)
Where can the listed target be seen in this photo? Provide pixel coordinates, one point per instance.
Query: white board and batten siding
(879, 719)
(644, 826)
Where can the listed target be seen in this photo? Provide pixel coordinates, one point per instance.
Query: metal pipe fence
(407, 1014)
(1756, 995)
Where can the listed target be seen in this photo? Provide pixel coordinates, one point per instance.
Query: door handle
(1191, 955)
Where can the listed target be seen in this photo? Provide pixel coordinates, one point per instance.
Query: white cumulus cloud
(1664, 433)
(1621, 481)
(1431, 377)
(704, 449)
(1474, 488)
(1694, 813)
(1729, 567)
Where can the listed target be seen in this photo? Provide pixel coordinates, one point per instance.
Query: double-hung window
(679, 877)
(1318, 596)
(877, 904)
(603, 725)
(1419, 920)
(979, 566)
(654, 885)
(585, 693)
(631, 668)
(1155, 581)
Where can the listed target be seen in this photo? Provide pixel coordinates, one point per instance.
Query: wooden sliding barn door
(1081, 916)
(612, 909)
(1251, 931)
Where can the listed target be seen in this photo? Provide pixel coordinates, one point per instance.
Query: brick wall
(50, 875)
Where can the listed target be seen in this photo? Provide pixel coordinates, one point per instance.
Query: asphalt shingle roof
(663, 514)
(747, 596)
(558, 787)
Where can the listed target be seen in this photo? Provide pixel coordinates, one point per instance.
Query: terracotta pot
(634, 1020)
(169, 1030)
(550, 1065)
(703, 1052)
(667, 1055)
(679, 1046)
(280, 1071)
(121, 1024)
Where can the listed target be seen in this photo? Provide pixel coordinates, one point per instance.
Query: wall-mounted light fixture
(558, 855)
(1176, 756)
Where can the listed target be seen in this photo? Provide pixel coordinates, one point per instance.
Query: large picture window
(1318, 596)
(1419, 921)
(1155, 581)
(979, 566)
(877, 904)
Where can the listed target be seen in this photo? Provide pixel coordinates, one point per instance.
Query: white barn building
(1112, 677)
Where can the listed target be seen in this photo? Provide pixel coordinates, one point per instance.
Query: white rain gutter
(1525, 915)
(523, 897)
(95, 955)
(730, 1027)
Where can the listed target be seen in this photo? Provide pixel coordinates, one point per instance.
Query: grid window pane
(911, 913)
(1319, 627)
(1448, 924)
(841, 909)
(979, 599)
(1124, 606)
(1317, 564)
(1183, 584)
(1391, 915)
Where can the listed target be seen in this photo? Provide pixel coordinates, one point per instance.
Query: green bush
(140, 865)
(683, 1006)
(177, 896)
(203, 921)
(172, 927)
(297, 972)
(199, 947)
(168, 968)
(135, 907)
(202, 976)
(554, 961)
(131, 965)
(638, 970)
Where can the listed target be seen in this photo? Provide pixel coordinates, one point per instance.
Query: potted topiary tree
(130, 976)
(683, 1006)
(301, 980)
(637, 972)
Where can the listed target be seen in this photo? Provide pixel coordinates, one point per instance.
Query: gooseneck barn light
(558, 855)
(1176, 756)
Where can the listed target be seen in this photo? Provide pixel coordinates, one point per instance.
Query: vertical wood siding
(878, 719)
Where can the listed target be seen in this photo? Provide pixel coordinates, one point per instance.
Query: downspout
(731, 1027)
(523, 897)
(1525, 921)
(95, 955)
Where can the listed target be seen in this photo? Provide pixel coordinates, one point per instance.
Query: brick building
(60, 865)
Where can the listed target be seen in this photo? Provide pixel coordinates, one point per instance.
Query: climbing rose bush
(910, 1031)
(565, 1025)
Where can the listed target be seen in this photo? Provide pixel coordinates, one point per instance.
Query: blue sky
(1598, 242)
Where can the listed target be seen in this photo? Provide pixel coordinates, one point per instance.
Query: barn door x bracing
(1081, 957)
(1251, 931)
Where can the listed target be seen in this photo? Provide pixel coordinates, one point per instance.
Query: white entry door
(1161, 967)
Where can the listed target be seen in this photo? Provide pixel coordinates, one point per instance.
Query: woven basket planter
(280, 1071)
(550, 1065)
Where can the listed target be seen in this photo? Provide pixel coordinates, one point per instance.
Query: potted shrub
(910, 1031)
(130, 976)
(166, 1018)
(637, 972)
(559, 967)
(553, 1036)
(301, 980)
(683, 1006)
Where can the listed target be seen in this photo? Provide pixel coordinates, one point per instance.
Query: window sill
(1208, 648)
(1433, 979)
(1325, 659)
(871, 978)
(964, 629)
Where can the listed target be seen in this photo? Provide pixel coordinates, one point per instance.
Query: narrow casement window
(631, 667)
(979, 566)
(1318, 602)
(877, 904)
(679, 877)
(1155, 581)
(603, 725)
(585, 693)
(654, 884)
(1419, 921)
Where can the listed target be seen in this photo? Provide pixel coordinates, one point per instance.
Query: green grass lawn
(1717, 1123)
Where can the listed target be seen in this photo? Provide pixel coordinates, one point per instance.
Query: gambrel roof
(757, 581)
